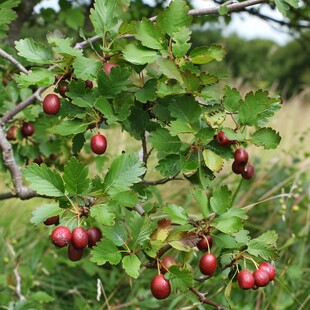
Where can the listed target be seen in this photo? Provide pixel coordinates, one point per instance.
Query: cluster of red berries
(241, 164)
(259, 278)
(77, 240)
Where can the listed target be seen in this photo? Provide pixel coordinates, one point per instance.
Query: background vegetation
(278, 199)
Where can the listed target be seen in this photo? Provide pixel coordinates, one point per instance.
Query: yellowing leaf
(213, 161)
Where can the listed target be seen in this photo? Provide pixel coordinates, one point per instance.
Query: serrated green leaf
(78, 142)
(164, 142)
(140, 229)
(103, 214)
(186, 109)
(73, 17)
(125, 171)
(228, 225)
(44, 181)
(266, 137)
(63, 47)
(176, 213)
(174, 17)
(180, 278)
(149, 34)
(180, 46)
(131, 264)
(75, 177)
(42, 213)
(103, 15)
(284, 5)
(115, 83)
(264, 245)
(116, 234)
(103, 105)
(213, 161)
(221, 199)
(37, 76)
(70, 127)
(233, 135)
(86, 68)
(205, 54)
(127, 198)
(169, 69)
(148, 92)
(215, 115)
(138, 55)
(178, 127)
(242, 236)
(80, 95)
(203, 202)
(105, 251)
(226, 241)
(6, 15)
(34, 51)
(169, 166)
(232, 99)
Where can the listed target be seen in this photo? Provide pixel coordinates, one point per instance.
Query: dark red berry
(269, 269)
(98, 144)
(11, 134)
(51, 104)
(88, 84)
(245, 279)
(160, 287)
(74, 254)
(53, 220)
(167, 262)
(202, 244)
(108, 66)
(241, 157)
(236, 168)
(222, 139)
(207, 264)
(61, 236)
(38, 160)
(94, 235)
(261, 277)
(27, 129)
(248, 174)
(79, 238)
(62, 88)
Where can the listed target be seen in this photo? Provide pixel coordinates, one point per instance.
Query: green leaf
(115, 83)
(174, 17)
(125, 171)
(264, 245)
(148, 92)
(140, 228)
(6, 13)
(116, 234)
(228, 225)
(169, 69)
(103, 214)
(254, 105)
(221, 199)
(266, 137)
(180, 278)
(131, 265)
(127, 198)
(63, 47)
(233, 135)
(232, 99)
(186, 109)
(80, 95)
(105, 251)
(40, 298)
(75, 177)
(203, 202)
(34, 51)
(103, 105)
(44, 181)
(181, 46)
(78, 142)
(223, 10)
(41, 77)
(284, 5)
(169, 166)
(213, 161)
(178, 127)
(70, 127)
(177, 214)
(86, 68)
(73, 17)
(150, 35)
(164, 142)
(40, 214)
(103, 15)
(138, 55)
(242, 236)
(205, 54)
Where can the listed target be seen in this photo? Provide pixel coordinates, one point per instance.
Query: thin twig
(11, 59)
(160, 181)
(18, 289)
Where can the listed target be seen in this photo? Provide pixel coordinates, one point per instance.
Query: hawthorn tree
(59, 100)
